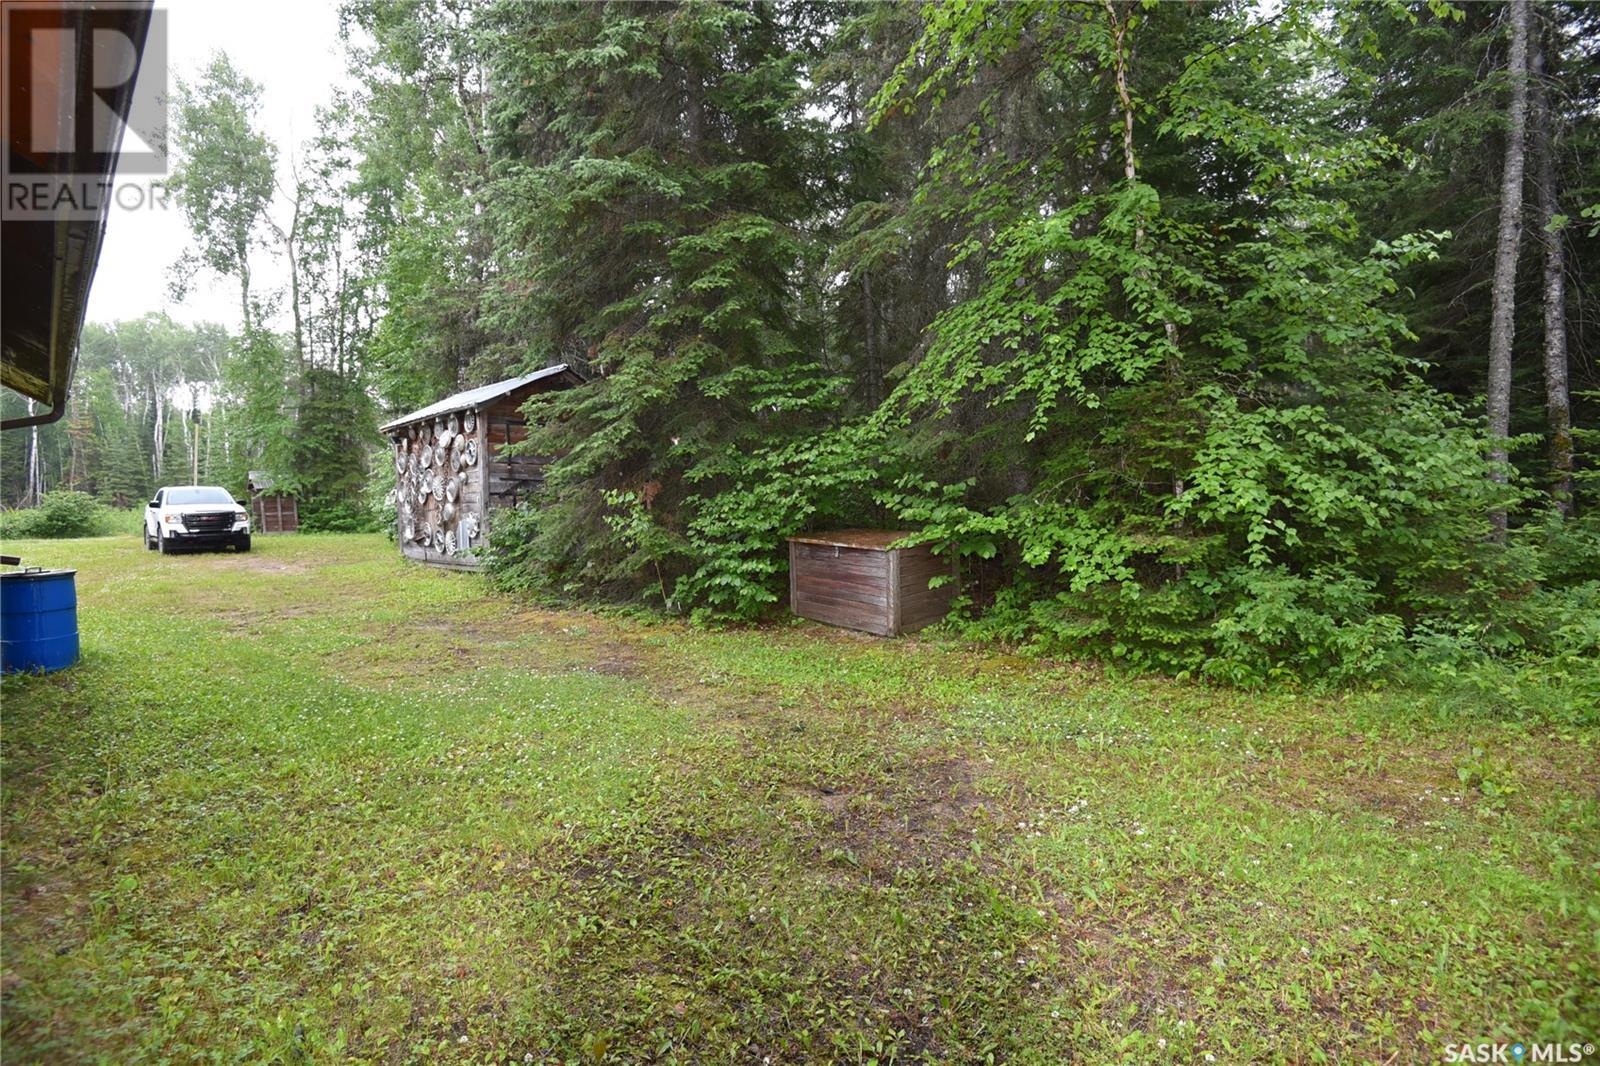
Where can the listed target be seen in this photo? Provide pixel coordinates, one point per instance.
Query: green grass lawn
(315, 804)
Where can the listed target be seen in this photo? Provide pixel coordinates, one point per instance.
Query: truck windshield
(178, 497)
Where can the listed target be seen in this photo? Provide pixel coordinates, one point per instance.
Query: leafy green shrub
(652, 544)
(518, 558)
(18, 524)
(543, 547)
(61, 514)
(323, 515)
(736, 537)
(69, 514)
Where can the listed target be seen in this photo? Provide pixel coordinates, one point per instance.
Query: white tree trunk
(35, 484)
(159, 437)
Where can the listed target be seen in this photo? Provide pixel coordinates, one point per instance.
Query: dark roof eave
(43, 313)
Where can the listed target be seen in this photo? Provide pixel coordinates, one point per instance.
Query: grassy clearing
(313, 804)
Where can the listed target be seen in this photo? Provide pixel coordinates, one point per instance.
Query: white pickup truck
(195, 516)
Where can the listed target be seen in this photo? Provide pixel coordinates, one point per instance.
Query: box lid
(873, 539)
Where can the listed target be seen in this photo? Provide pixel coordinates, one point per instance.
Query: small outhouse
(271, 511)
(855, 578)
(451, 470)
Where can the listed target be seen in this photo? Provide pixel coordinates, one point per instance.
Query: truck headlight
(171, 519)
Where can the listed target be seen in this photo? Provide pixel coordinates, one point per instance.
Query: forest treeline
(1246, 341)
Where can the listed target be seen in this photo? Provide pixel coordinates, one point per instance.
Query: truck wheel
(243, 544)
(149, 545)
(161, 544)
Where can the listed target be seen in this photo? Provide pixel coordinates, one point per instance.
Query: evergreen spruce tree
(652, 175)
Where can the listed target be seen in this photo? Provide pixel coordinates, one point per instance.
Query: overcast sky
(292, 48)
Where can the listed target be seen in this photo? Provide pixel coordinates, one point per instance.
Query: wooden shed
(271, 511)
(451, 469)
(854, 578)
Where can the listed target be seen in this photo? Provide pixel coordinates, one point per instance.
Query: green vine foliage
(1225, 467)
(1168, 418)
(814, 480)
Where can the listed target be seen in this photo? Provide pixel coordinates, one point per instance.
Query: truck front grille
(208, 522)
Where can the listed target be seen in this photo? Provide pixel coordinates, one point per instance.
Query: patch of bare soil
(1410, 785)
(927, 813)
(618, 660)
(265, 565)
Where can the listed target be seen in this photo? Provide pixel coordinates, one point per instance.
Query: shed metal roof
(474, 397)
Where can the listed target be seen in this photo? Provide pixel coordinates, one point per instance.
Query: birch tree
(224, 178)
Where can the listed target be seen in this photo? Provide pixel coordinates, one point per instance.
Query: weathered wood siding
(841, 586)
(876, 590)
(917, 604)
(274, 513)
(511, 478)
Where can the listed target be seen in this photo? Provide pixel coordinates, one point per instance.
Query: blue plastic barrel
(38, 620)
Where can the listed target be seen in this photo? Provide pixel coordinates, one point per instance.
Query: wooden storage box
(853, 578)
